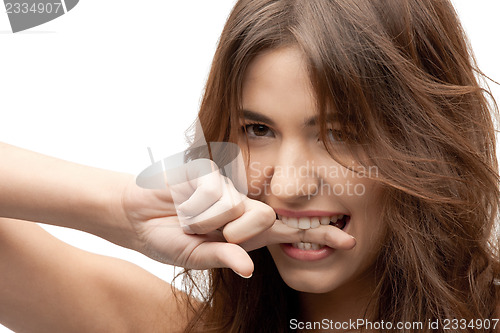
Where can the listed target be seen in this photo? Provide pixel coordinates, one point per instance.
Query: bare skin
(47, 285)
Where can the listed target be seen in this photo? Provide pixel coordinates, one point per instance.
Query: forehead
(277, 84)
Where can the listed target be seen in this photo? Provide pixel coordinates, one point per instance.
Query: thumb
(220, 254)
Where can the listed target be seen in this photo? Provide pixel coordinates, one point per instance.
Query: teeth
(315, 222)
(316, 246)
(307, 246)
(292, 222)
(309, 222)
(325, 220)
(304, 223)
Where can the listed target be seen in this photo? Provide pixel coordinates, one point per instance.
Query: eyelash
(246, 129)
(334, 134)
(337, 136)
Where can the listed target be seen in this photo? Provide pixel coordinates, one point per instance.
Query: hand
(212, 226)
(281, 233)
(153, 217)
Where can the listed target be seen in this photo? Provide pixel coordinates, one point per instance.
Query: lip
(305, 213)
(306, 255)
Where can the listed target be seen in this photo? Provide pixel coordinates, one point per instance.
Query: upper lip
(305, 213)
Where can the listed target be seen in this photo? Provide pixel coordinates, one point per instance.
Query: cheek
(368, 227)
(259, 172)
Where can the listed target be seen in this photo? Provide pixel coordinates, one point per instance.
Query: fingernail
(245, 277)
(187, 229)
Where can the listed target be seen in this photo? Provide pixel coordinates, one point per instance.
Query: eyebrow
(259, 117)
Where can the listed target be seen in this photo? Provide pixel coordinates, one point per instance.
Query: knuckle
(211, 191)
(302, 234)
(262, 223)
(232, 212)
(267, 217)
(226, 206)
(271, 214)
(328, 238)
(231, 236)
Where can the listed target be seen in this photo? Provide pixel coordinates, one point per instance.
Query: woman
(389, 86)
(357, 120)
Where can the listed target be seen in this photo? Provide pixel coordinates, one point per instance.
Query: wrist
(39, 188)
(113, 223)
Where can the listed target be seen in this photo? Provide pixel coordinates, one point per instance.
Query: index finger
(280, 233)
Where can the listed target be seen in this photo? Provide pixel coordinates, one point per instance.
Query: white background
(110, 78)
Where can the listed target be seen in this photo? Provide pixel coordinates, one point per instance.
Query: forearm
(40, 188)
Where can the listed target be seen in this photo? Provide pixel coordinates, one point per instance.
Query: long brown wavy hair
(399, 74)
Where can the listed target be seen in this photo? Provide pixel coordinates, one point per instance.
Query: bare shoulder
(49, 286)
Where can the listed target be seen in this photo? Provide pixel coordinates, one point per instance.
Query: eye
(258, 130)
(335, 135)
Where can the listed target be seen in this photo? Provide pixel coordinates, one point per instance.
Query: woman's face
(291, 171)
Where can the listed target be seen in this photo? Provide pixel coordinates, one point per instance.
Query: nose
(293, 177)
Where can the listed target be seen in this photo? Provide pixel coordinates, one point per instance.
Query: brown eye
(258, 130)
(335, 135)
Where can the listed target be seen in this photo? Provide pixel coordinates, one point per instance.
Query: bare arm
(110, 205)
(41, 188)
(49, 286)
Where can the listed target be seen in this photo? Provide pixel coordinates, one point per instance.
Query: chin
(317, 279)
(306, 286)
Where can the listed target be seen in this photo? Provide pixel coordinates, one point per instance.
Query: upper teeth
(309, 222)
